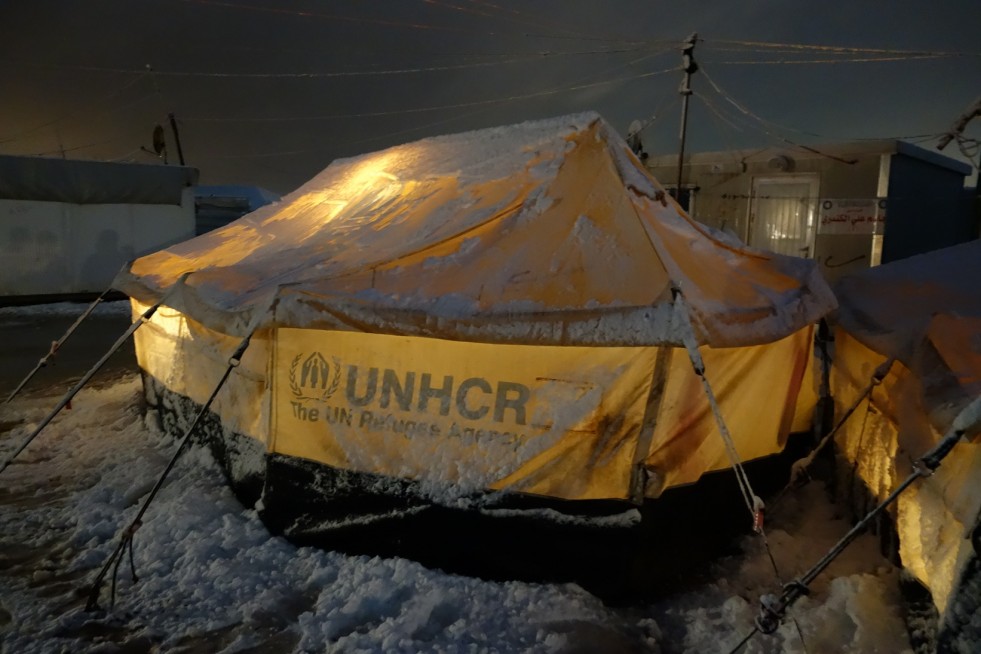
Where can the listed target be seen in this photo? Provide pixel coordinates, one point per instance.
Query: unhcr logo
(314, 378)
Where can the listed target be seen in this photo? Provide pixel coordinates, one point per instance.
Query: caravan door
(782, 214)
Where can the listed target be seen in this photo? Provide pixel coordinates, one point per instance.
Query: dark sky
(268, 92)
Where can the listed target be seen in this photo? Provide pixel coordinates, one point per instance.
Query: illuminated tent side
(925, 313)
(504, 297)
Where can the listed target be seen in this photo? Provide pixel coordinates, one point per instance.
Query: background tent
(924, 312)
(488, 310)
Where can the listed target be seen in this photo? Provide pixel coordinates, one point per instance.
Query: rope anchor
(772, 612)
(126, 537)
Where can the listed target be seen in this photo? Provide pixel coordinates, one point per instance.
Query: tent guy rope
(799, 468)
(143, 319)
(773, 608)
(681, 315)
(753, 502)
(126, 537)
(81, 383)
(56, 345)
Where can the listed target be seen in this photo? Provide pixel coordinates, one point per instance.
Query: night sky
(269, 92)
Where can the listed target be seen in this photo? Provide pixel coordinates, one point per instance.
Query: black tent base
(617, 551)
(620, 552)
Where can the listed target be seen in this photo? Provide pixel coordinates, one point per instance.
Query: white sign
(852, 216)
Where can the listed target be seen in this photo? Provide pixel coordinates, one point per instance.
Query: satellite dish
(159, 142)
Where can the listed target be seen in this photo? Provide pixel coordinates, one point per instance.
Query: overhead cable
(523, 17)
(139, 75)
(842, 49)
(770, 62)
(763, 122)
(356, 73)
(742, 108)
(457, 105)
(481, 103)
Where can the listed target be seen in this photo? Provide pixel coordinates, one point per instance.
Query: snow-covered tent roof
(925, 312)
(544, 232)
(889, 308)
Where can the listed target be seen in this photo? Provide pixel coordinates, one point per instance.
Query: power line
(358, 73)
(457, 105)
(746, 112)
(742, 109)
(843, 49)
(376, 137)
(443, 3)
(479, 103)
(852, 60)
(763, 121)
(346, 18)
(66, 116)
(87, 146)
(532, 19)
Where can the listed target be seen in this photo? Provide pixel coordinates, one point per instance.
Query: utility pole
(170, 116)
(689, 67)
(177, 138)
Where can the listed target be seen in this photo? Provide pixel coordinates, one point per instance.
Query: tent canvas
(493, 310)
(925, 313)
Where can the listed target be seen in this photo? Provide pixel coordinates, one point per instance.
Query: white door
(782, 214)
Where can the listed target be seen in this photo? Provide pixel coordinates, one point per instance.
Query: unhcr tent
(499, 310)
(919, 321)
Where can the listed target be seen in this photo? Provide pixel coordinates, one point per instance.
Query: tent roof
(890, 307)
(543, 232)
(925, 312)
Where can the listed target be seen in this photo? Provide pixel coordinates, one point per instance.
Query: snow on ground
(211, 578)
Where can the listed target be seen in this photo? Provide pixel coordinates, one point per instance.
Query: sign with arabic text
(852, 216)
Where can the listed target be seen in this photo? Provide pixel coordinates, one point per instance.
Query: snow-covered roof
(544, 232)
(92, 182)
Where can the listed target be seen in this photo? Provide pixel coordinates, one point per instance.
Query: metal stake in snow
(773, 609)
(81, 383)
(56, 345)
(126, 539)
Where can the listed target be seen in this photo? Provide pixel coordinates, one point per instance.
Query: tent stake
(81, 383)
(773, 609)
(56, 345)
(126, 538)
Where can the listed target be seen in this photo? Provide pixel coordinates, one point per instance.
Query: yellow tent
(923, 314)
(490, 310)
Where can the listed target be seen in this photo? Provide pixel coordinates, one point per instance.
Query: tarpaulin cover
(547, 232)
(925, 312)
